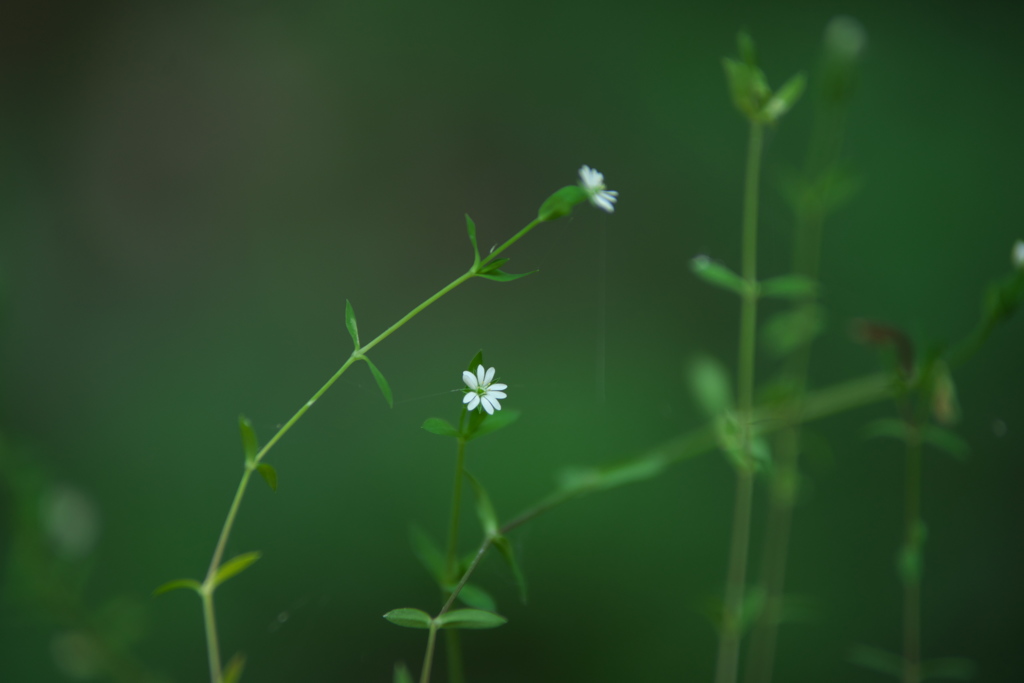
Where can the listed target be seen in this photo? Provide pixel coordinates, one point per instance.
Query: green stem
(912, 576)
(452, 564)
(729, 639)
(512, 240)
(212, 645)
(428, 659)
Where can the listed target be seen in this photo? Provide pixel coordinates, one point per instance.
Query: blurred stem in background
(813, 196)
(732, 611)
(452, 565)
(911, 561)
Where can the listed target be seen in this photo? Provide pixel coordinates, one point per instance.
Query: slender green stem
(428, 659)
(735, 588)
(912, 575)
(212, 645)
(510, 241)
(452, 564)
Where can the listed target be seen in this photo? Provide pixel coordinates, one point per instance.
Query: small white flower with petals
(592, 183)
(1018, 254)
(482, 392)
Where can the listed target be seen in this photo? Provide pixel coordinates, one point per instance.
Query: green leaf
(475, 596)
(428, 553)
(269, 474)
(745, 47)
(718, 275)
(561, 203)
(191, 584)
(890, 428)
(784, 98)
(235, 566)
(612, 476)
(501, 419)
(877, 660)
(945, 440)
(350, 323)
(711, 386)
(789, 287)
(494, 265)
(954, 668)
(478, 359)
(504, 547)
(787, 331)
(402, 674)
(381, 382)
(409, 617)
(471, 229)
(233, 671)
(501, 276)
(249, 443)
(470, 618)
(747, 86)
(484, 509)
(436, 425)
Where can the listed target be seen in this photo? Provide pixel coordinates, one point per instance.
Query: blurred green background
(190, 191)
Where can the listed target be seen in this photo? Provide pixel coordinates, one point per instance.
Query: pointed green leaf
(787, 331)
(494, 265)
(745, 47)
(475, 596)
(945, 440)
(612, 476)
(235, 566)
(409, 617)
(478, 359)
(952, 668)
(718, 275)
(350, 323)
(504, 546)
(470, 618)
(191, 584)
(402, 674)
(711, 386)
(877, 660)
(471, 229)
(381, 382)
(501, 419)
(501, 276)
(428, 553)
(233, 671)
(789, 287)
(269, 474)
(436, 425)
(747, 85)
(784, 98)
(484, 509)
(249, 443)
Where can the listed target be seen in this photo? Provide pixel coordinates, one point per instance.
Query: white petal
(470, 379)
(480, 375)
(496, 394)
(474, 401)
(468, 397)
(486, 402)
(498, 386)
(489, 376)
(602, 202)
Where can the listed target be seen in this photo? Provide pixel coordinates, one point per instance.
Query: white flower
(481, 391)
(1018, 254)
(592, 183)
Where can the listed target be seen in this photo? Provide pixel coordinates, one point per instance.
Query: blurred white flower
(1018, 254)
(592, 183)
(71, 520)
(481, 390)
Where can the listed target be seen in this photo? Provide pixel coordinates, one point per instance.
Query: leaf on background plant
(402, 674)
(475, 596)
(887, 427)
(381, 382)
(952, 668)
(484, 509)
(787, 331)
(235, 566)
(504, 547)
(428, 553)
(249, 443)
(350, 323)
(945, 440)
(718, 275)
(269, 474)
(191, 584)
(436, 425)
(471, 619)
(233, 671)
(789, 287)
(784, 98)
(611, 476)
(409, 617)
(501, 276)
(877, 660)
(711, 386)
(747, 85)
(745, 48)
(500, 420)
(471, 229)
